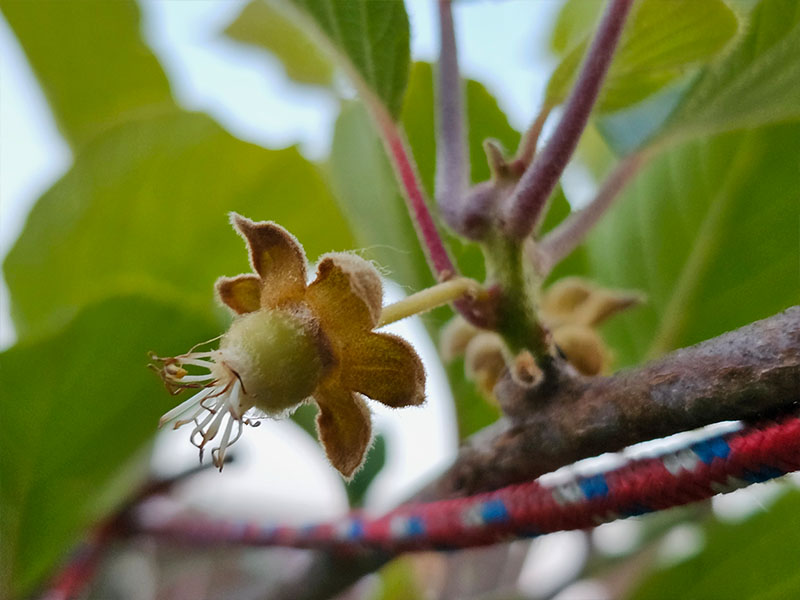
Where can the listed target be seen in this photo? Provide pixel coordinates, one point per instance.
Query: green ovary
(276, 357)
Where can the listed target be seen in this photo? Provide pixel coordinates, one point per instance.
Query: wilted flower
(293, 342)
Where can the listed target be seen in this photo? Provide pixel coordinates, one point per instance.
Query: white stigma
(221, 401)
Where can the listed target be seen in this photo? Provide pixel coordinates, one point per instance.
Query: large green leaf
(144, 209)
(709, 233)
(267, 23)
(77, 406)
(94, 68)
(373, 37)
(661, 42)
(753, 560)
(756, 84)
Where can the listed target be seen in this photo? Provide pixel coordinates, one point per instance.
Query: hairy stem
(430, 298)
(562, 240)
(451, 156)
(407, 175)
(526, 203)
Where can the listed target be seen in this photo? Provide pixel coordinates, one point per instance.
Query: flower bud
(455, 337)
(583, 347)
(484, 360)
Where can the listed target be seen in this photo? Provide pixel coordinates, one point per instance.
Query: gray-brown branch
(748, 374)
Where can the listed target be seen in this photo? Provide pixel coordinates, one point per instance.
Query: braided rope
(695, 472)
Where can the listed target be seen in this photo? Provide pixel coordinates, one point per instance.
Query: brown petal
(346, 295)
(344, 428)
(386, 368)
(242, 293)
(277, 257)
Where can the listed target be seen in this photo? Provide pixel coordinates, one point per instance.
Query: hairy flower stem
(525, 205)
(567, 236)
(516, 321)
(451, 156)
(430, 298)
(407, 175)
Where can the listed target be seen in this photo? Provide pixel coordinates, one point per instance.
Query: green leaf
(94, 68)
(373, 37)
(709, 232)
(758, 83)
(268, 24)
(144, 209)
(662, 41)
(83, 403)
(575, 21)
(752, 560)
(398, 581)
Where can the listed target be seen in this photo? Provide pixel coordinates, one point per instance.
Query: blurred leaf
(575, 21)
(709, 233)
(659, 44)
(144, 209)
(758, 83)
(358, 486)
(83, 403)
(89, 58)
(268, 24)
(373, 37)
(398, 581)
(756, 559)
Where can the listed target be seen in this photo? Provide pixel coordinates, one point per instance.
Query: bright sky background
(502, 44)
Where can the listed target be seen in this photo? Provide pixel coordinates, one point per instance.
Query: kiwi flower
(292, 343)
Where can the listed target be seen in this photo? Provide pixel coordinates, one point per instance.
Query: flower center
(276, 356)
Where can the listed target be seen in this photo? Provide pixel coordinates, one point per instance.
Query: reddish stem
(406, 172)
(534, 188)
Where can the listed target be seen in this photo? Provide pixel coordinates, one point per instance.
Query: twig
(451, 157)
(525, 205)
(567, 236)
(744, 374)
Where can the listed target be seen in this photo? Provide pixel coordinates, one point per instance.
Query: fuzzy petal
(344, 428)
(277, 257)
(242, 293)
(386, 368)
(346, 295)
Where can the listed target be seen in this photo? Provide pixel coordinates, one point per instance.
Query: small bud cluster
(571, 309)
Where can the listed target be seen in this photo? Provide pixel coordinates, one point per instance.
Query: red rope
(695, 472)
